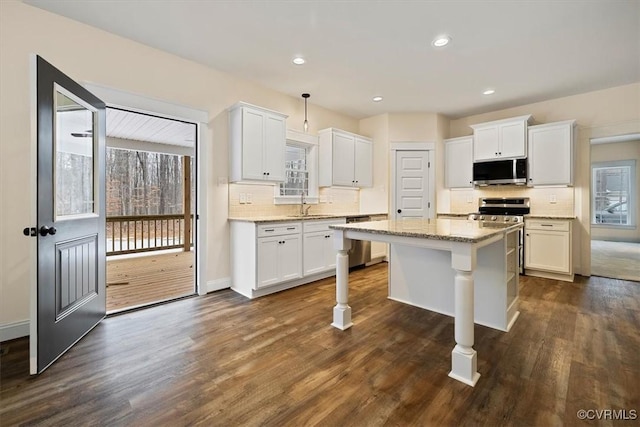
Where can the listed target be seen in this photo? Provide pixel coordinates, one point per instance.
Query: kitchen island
(468, 269)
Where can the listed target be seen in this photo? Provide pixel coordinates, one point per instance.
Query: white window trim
(309, 143)
(633, 191)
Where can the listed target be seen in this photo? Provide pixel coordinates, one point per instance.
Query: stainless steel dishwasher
(360, 252)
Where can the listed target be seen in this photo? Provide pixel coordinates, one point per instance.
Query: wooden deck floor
(147, 279)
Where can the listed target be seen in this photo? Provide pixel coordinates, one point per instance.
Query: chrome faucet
(303, 211)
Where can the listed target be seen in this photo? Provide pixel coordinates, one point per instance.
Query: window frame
(632, 198)
(310, 144)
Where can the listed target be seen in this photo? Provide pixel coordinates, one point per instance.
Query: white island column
(464, 359)
(342, 311)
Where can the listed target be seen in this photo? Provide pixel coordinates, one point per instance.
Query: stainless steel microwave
(512, 171)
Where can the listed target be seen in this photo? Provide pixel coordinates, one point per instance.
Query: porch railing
(142, 233)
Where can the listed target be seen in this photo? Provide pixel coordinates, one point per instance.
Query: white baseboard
(13, 330)
(218, 284)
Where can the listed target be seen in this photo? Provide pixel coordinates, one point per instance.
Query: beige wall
(89, 54)
(609, 153)
(601, 113)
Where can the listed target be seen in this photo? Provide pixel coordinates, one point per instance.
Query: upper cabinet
(346, 159)
(458, 154)
(257, 141)
(501, 139)
(551, 153)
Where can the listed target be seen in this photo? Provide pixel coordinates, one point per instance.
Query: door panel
(70, 295)
(412, 189)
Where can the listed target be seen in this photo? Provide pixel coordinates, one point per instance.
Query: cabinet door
(550, 155)
(513, 137)
(363, 163)
(314, 257)
(329, 251)
(274, 147)
(485, 143)
(459, 163)
(290, 257)
(268, 261)
(252, 141)
(547, 250)
(343, 160)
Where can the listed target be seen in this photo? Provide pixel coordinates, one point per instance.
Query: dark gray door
(70, 298)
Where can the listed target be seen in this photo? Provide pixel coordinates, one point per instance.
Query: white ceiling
(143, 127)
(528, 50)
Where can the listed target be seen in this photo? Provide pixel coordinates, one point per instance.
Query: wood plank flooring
(224, 360)
(152, 277)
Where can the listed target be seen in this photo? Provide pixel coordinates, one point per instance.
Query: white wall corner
(218, 284)
(13, 330)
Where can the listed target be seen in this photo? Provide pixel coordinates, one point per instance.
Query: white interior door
(412, 198)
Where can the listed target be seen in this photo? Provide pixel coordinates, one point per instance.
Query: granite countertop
(568, 217)
(457, 230)
(310, 217)
(461, 215)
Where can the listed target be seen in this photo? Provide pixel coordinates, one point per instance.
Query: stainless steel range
(499, 211)
(507, 210)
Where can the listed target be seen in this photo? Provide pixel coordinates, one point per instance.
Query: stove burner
(504, 210)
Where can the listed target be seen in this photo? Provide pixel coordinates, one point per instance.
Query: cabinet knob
(267, 173)
(399, 210)
(499, 153)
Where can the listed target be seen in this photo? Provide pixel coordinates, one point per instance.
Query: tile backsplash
(332, 200)
(544, 201)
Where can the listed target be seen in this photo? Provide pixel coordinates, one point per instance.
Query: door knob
(44, 230)
(399, 210)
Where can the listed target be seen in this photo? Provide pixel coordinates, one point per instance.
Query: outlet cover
(243, 198)
(249, 198)
(552, 198)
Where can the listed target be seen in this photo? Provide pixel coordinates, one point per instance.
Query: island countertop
(457, 230)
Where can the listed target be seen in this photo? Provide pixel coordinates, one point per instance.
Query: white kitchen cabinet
(500, 139)
(257, 142)
(346, 159)
(547, 246)
(458, 154)
(278, 259)
(273, 256)
(551, 148)
(318, 253)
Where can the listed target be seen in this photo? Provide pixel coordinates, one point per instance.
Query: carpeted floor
(617, 260)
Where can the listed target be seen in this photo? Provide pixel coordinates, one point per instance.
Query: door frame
(115, 98)
(430, 147)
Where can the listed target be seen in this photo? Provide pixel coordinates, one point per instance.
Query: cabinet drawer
(548, 225)
(322, 225)
(278, 229)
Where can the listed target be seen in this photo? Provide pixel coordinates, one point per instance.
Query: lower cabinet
(279, 259)
(319, 255)
(548, 249)
(270, 257)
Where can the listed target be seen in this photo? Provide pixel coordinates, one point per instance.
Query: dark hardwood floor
(225, 360)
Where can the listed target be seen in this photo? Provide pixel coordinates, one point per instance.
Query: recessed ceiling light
(441, 41)
(489, 92)
(377, 98)
(298, 60)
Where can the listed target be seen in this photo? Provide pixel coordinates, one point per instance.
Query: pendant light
(305, 125)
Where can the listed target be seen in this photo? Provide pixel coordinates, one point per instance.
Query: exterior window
(301, 171)
(296, 172)
(613, 193)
